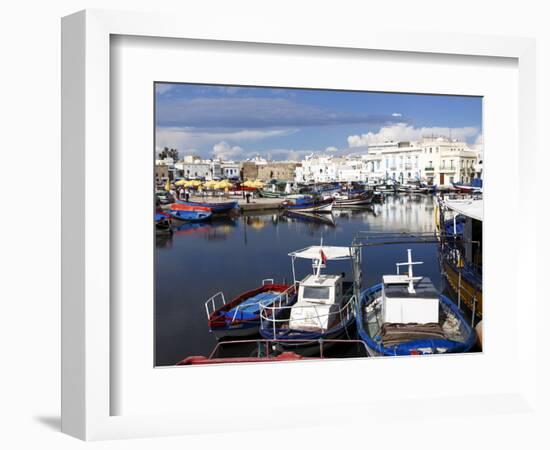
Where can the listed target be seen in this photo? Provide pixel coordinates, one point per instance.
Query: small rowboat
(220, 207)
(308, 204)
(467, 188)
(241, 316)
(190, 216)
(351, 200)
(182, 207)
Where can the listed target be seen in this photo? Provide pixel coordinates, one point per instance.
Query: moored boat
(163, 224)
(265, 350)
(347, 200)
(324, 308)
(241, 316)
(308, 204)
(460, 223)
(215, 207)
(189, 216)
(406, 315)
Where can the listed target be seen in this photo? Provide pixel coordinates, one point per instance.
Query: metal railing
(270, 314)
(270, 345)
(211, 303)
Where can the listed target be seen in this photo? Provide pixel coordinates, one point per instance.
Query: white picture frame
(87, 385)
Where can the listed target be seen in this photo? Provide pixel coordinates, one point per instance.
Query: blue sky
(239, 122)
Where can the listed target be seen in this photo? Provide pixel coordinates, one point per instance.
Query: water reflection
(234, 254)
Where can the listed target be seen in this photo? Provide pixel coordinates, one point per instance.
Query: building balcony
(429, 169)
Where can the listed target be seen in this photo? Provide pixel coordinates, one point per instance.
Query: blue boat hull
(190, 216)
(407, 348)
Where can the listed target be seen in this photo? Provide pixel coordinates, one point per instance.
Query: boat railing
(268, 281)
(269, 344)
(272, 314)
(214, 303)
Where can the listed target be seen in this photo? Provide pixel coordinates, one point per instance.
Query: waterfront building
(440, 160)
(193, 167)
(277, 170)
(249, 168)
(162, 174)
(317, 169)
(230, 169)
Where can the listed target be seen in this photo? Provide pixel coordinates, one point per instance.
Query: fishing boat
(265, 350)
(308, 204)
(182, 207)
(241, 316)
(163, 224)
(415, 188)
(216, 208)
(324, 308)
(350, 200)
(468, 188)
(190, 216)
(459, 222)
(271, 194)
(406, 315)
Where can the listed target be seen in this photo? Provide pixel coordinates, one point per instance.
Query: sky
(231, 122)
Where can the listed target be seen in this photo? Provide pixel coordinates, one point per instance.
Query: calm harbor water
(233, 255)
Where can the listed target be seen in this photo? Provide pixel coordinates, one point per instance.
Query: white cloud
(162, 88)
(184, 138)
(405, 132)
(396, 114)
(331, 149)
(223, 150)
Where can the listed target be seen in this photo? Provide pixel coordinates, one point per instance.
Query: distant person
(243, 194)
(248, 197)
(186, 196)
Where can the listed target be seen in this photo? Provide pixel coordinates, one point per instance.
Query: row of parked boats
(403, 314)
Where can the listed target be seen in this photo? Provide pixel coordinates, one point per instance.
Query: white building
(432, 160)
(230, 169)
(317, 169)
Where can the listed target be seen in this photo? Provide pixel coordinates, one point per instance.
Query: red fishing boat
(241, 316)
(265, 350)
(194, 208)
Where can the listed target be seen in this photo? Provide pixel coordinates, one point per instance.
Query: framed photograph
(293, 228)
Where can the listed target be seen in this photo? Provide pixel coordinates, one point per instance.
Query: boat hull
(214, 207)
(318, 207)
(352, 203)
(224, 323)
(190, 216)
(375, 348)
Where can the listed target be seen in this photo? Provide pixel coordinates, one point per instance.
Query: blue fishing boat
(324, 308)
(406, 315)
(216, 208)
(190, 216)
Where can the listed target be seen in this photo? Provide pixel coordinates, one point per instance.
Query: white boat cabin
(409, 299)
(320, 296)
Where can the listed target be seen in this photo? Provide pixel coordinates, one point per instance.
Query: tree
(169, 153)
